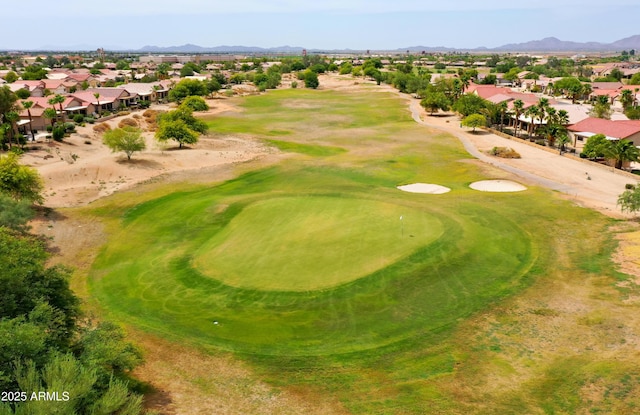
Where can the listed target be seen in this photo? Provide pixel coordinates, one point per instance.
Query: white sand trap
(497, 186)
(433, 189)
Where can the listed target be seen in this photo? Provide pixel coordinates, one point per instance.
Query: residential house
(152, 92)
(39, 122)
(612, 129)
(35, 88)
(109, 99)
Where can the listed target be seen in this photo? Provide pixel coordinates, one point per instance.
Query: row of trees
(46, 344)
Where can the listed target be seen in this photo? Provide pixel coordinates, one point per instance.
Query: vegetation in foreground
(405, 338)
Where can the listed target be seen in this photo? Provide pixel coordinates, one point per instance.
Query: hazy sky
(323, 24)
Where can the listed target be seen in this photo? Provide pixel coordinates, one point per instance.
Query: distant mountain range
(549, 44)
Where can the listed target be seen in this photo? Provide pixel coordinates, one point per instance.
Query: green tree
(11, 119)
(11, 77)
(19, 182)
(28, 105)
(127, 139)
(58, 99)
(626, 98)
(7, 102)
(596, 146)
(601, 108)
(474, 121)
(50, 114)
(518, 109)
(629, 200)
(311, 79)
(635, 79)
(196, 103)
(562, 140)
(434, 101)
(15, 214)
(469, 104)
(621, 151)
(180, 125)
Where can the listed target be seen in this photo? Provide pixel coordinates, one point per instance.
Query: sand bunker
(497, 186)
(433, 189)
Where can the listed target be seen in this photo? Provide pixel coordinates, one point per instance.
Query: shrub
(504, 152)
(49, 128)
(629, 186)
(78, 118)
(101, 128)
(137, 116)
(195, 103)
(144, 104)
(294, 84)
(69, 127)
(127, 122)
(150, 113)
(89, 120)
(58, 132)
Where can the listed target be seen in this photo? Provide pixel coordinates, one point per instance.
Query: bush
(195, 103)
(629, 186)
(78, 118)
(69, 127)
(294, 84)
(504, 152)
(101, 128)
(49, 128)
(150, 113)
(144, 104)
(123, 113)
(89, 120)
(137, 116)
(127, 122)
(58, 132)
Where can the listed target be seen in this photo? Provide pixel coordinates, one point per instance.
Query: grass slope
(377, 319)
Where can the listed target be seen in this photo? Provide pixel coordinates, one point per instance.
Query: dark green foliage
(629, 200)
(633, 113)
(311, 79)
(195, 103)
(58, 132)
(23, 93)
(27, 282)
(469, 104)
(14, 214)
(188, 87)
(18, 181)
(596, 146)
(78, 118)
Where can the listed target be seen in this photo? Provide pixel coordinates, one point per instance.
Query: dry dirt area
(188, 381)
(81, 169)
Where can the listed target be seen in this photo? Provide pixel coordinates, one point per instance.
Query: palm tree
(621, 151)
(97, 95)
(518, 105)
(532, 112)
(58, 99)
(12, 117)
(626, 98)
(563, 139)
(502, 109)
(27, 105)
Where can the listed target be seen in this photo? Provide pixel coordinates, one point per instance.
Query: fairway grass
(306, 271)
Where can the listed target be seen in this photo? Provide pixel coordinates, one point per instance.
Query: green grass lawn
(307, 269)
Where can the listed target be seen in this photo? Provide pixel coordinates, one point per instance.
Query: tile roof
(617, 129)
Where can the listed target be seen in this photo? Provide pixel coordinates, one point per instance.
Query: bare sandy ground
(82, 169)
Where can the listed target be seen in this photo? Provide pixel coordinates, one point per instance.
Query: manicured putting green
(310, 243)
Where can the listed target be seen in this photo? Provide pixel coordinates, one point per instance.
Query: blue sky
(323, 24)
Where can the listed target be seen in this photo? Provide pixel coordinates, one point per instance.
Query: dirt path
(586, 183)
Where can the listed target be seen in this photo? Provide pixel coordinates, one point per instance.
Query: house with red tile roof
(35, 88)
(612, 129)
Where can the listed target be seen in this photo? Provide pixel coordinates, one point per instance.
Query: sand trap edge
(427, 188)
(502, 186)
